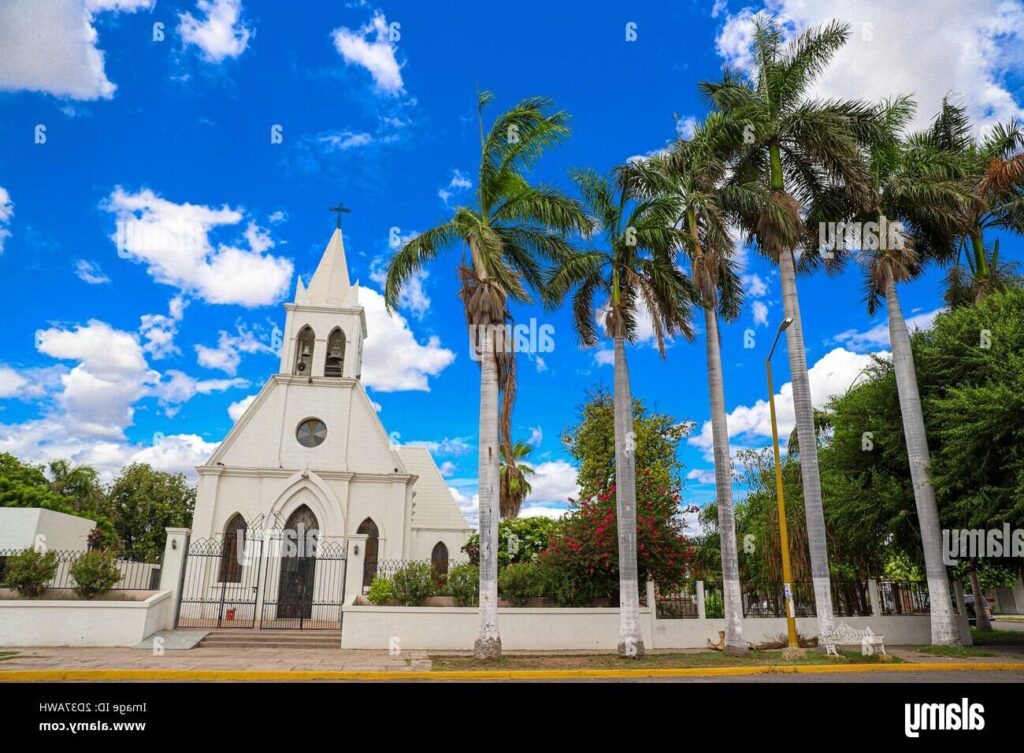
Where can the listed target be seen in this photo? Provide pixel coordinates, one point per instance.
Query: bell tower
(325, 326)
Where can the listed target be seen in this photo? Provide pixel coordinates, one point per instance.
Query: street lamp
(787, 570)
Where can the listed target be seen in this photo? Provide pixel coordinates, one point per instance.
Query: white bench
(844, 635)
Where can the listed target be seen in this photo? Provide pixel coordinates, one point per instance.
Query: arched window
(304, 351)
(439, 561)
(370, 559)
(335, 361)
(232, 550)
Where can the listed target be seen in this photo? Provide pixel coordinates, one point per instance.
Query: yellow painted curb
(213, 675)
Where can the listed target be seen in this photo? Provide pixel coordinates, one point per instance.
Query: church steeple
(325, 320)
(330, 284)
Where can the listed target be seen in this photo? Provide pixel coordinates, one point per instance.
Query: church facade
(310, 451)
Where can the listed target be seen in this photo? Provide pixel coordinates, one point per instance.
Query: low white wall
(455, 628)
(71, 622)
(693, 633)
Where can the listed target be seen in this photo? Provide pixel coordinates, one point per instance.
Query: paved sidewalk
(214, 659)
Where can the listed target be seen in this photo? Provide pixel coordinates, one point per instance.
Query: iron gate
(262, 584)
(221, 583)
(303, 590)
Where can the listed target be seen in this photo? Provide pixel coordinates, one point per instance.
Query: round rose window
(311, 432)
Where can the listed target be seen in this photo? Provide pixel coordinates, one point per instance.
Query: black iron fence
(305, 592)
(903, 597)
(678, 604)
(387, 568)
(850, 598)
(135, 576)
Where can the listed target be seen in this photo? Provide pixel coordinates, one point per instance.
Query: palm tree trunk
(631, 643)
(488, 642)
(813, 510)
(980, 613)
(734, 643)
(944, 629)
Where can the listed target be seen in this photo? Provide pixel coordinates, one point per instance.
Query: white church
(310, 451)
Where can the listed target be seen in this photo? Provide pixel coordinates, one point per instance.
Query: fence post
(354, 555)
(172, 568)
(876, 608)
(701, 614)
(652, 604)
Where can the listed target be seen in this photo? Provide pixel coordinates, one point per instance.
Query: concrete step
(313, 639)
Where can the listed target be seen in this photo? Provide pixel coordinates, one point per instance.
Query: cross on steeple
(340, 209)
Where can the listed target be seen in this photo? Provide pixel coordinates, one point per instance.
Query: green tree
(591, 442)
(694, 173)
(510, 230)
(629, 262)
(993, 168)
(515, 486)
(808, 153)
(143, 503)
(912, 186)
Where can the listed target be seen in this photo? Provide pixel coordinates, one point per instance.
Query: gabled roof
(435, 505)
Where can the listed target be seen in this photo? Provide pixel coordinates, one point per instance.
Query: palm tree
(694, 173)
(915, 187)
(994, 167)
(514, 486)
(511, 228)
(634, 271)
(808, 153)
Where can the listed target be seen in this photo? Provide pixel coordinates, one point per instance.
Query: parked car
(972, 617)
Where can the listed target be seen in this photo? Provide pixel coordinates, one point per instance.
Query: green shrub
(29, 571)
(464, 585)
(519, 582)
(714, 606)
(413, 583)
(95, 573)
(381, 591)
(519, 540)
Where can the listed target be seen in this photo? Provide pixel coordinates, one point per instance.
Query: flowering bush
(519, 540)
(464, 585)
(95, 573)
(582, 558)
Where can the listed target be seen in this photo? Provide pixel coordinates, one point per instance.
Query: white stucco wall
(66, 622)
(20, 527)
(455, 628)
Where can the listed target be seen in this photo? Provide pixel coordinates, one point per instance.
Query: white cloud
(447, 469)
(158, 331)
(878, 336)
(177, 453)
(52, 47)
(173, 241)
(458, 184)
(754, 286)
(529, 510)
(228, 354)
(447, 446)
(831, 375)
(927, 48)
(702, 475)
(370, 47)
(344, 139)
(220, 33)
(236, 409)
(90, 272)
(604, 357)
(536, 436)
(277, 217)
(6, 213)
(759, 310)
(553, 481)
(469, 505)
(11, 382)
(393, 359)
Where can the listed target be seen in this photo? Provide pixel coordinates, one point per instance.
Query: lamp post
(787, 570)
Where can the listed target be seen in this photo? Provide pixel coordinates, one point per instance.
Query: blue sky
(239, 123)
